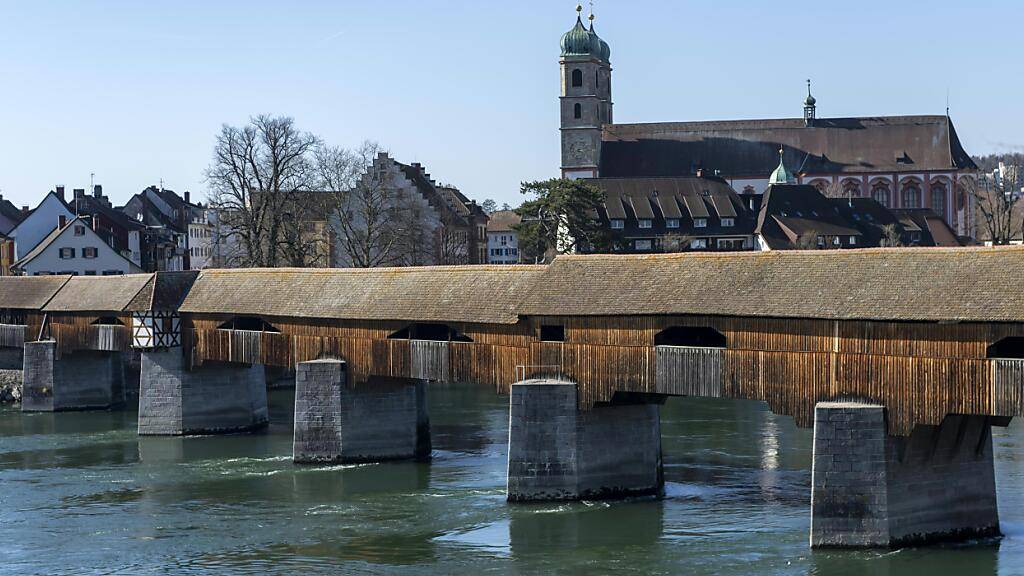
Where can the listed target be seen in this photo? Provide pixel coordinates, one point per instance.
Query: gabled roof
(29, 292)
(503, 221)
(749, 148)
(896, 284)
(797, 211)
(57, 233)
(36, 209)
(97, 293)
(429, 191)
(484, 294)
(164, 291)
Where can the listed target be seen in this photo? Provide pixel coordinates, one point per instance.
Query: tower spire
(810, 106)
(591, 17)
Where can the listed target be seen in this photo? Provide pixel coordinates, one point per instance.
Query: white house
(502, 240)
(74, 249)
(47, 216)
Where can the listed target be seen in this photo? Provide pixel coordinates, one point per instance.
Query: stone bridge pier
(340, 421)
(82, 380)
(871, 489)
(211, 399)
(557, 452)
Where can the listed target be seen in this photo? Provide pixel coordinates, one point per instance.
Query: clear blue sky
(136, 91)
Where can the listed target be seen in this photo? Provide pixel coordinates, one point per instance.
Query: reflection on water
(82, 493)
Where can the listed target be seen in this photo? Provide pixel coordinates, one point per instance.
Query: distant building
(674, 214)
(167, 218)
(201, 237)
(74, 248)
(900, 161)
(51, 212)
(120, 232)
(502, 239)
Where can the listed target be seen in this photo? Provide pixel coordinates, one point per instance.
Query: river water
(81, 493)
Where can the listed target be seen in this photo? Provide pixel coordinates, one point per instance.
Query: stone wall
(557, 452)
(871, 489)
(11, 358)
(216, 398)
(336, 421)
(84, 380)
(10, 386)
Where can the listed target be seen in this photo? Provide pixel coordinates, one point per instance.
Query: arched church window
(880, 193)
(851, 188)
(911, 196)
(577, 78)
(939, 199)
(577, 111)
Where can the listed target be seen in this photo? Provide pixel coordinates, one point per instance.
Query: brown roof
(503, 221)
(29, 292)
(934, 284)
(486, 294)
(98, 293)
(164, 291)
(750, 148)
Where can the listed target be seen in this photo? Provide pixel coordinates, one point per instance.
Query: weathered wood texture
(12, 335)
(78, 332)
(920, 371)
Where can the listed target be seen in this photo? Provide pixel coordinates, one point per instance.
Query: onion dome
(583, 42)
(810, 100)
(781, 175)
(604, 51)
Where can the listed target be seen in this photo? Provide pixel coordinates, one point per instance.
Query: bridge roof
(484, 294)
(908, 284)
(97, 293)
(29, 292)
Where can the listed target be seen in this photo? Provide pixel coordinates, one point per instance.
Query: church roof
(749, 148)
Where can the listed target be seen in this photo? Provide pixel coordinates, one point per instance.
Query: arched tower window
(939, 199)
(577, 111)
(911, 196)
(577, 78)
(880, 193)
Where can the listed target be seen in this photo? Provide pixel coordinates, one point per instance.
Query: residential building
(900, 161)
(502, 239)
(74, 248)
(674, 214)
(10, 215)
(166, 217)
(201, 237)
(40, 222)
(120, 232)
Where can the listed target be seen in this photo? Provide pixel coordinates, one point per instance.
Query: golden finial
(591, 17)
(579, 8)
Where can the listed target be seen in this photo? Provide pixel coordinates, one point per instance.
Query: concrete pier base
(336, 421)
(557, 452)
(85, 380)
(874, 490)
(213, 399)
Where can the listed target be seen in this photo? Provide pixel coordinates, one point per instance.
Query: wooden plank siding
(74, 332)
(920, 371)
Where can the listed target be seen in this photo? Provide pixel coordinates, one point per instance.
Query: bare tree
(256, 172)
(997, 207)
(364, 204)
(453, 240)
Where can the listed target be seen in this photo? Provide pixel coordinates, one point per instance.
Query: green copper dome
(781, 175)
(582, 42)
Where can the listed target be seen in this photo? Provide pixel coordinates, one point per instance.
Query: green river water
(81, 493)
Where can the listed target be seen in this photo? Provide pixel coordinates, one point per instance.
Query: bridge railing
(689, 371)
(12, 335)
(103, 337)
(1008, 387)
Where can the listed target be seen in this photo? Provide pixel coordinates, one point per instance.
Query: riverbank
(10, 386)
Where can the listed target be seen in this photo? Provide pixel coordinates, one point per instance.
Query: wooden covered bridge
(920, 348)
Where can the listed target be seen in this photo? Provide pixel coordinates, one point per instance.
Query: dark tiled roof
(29, 292)
(164, 291)
(789, 212)
(503, 221)
(750, 147)
(434, 196)
(898, 284)
(485, 294)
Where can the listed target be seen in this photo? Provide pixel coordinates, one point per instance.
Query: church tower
(586, 98)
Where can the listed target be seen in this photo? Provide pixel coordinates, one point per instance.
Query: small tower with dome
(586, 97)
(781, 175)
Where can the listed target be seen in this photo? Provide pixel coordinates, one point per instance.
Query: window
(90, 272)
(911, 197)
(698, 243)
(618, 224)
(672, 223)
(552, 333)
(821, 241)
(880, 194)
(577, 111)
(837, 241)
(939, 199)
(67, 253)
(728, 222)
(79, 230)
(730, 244)
(853, 240)
(700, 222)
(645, 223)
(643, 244)
(89, 252)
(112, 273)
(577, 78)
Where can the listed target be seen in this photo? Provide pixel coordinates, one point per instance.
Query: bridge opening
(12, 317)
(695, 336)
(428, 331)
(107, 321)
(1012, 347)
(250, 323)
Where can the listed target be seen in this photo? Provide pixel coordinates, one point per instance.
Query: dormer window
(645, 223)
(728, 222)
(672, 223)
(618, 224)
(700, 222)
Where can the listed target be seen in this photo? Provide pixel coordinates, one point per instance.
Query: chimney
(97, 191)
(417, 165)
(62, 221)
(24, 209)
(60, 192)
(187, 197)
(78, 193)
